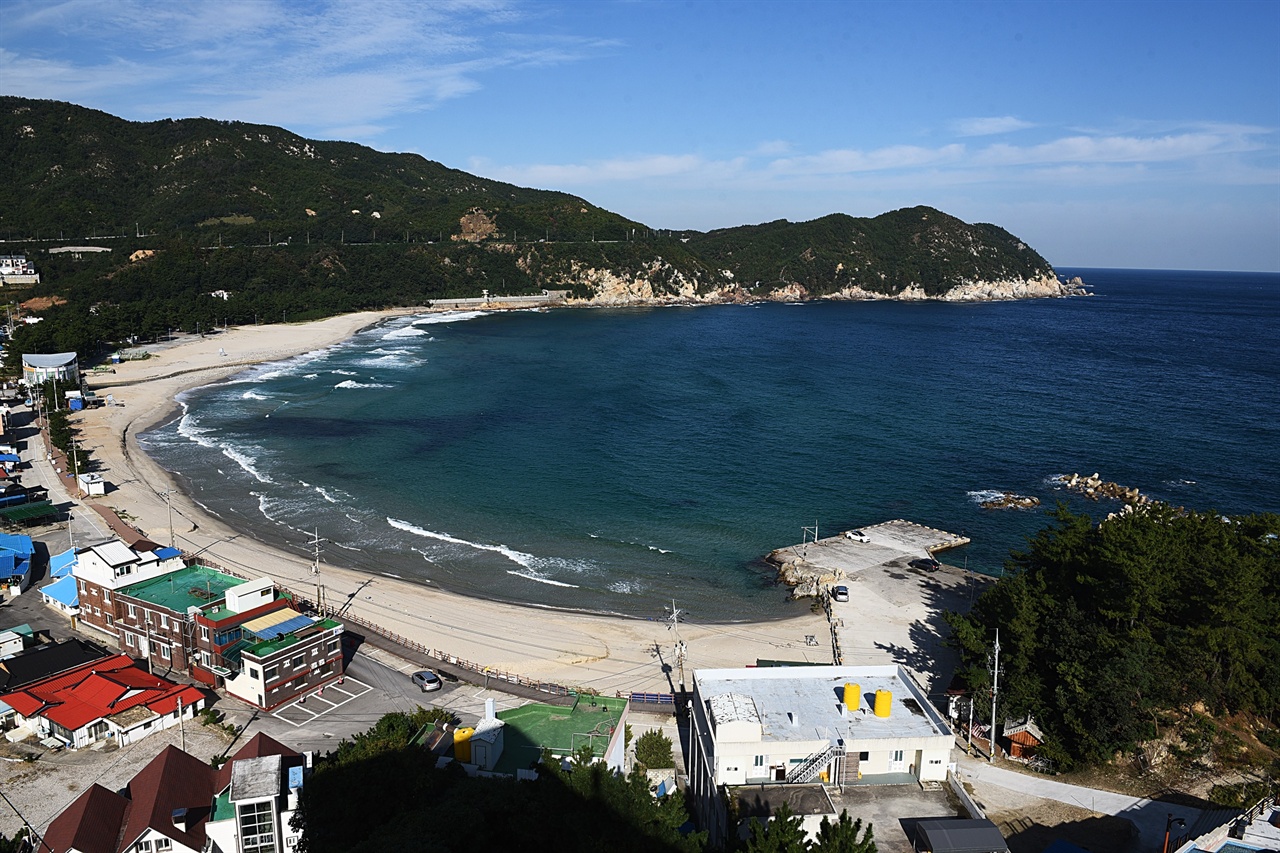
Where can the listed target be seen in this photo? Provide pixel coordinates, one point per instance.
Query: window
(133, 611)
(333, 646)
(204, 659)
(106, 596)
(128, 638)
(143, 847)
(110, 621)
(97, 611)
(270, 673)
(864, 756)
(84, 589)
(164, 651)
(257, 828)
(315, 651)
(204, 633)
(759, 761)
(253, 672)
(163, 844)
(164, 620)
(299, 661)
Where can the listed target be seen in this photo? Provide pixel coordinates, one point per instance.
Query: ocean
(612, 460)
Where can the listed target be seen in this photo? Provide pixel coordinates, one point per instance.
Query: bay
(614, 459)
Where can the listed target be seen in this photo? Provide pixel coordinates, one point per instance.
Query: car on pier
(840, 593)
(927, 563)
(857, 536)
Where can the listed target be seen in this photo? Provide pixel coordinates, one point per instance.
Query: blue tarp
(62, 591)
(166, 553)
(18, 544)
(60, 565)
(9, 457)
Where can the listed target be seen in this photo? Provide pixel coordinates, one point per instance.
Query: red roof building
(105, 699)
(170, 804)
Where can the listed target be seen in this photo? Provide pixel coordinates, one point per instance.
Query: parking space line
(297, 704)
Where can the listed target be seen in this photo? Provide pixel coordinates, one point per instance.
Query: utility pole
(681, 649)
(181, 731)
(995, 689)
(315, 568)
(169, 505)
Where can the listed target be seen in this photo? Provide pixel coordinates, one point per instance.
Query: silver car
(427, 680)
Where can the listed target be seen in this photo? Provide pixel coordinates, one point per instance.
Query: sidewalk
(1149, 816)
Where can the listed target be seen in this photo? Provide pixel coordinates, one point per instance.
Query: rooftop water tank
(884, 701)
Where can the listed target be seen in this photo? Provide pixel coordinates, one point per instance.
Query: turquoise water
(612, 459)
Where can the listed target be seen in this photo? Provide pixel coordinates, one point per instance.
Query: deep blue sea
(611, 459)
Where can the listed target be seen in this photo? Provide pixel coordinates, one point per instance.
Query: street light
(1169, 825)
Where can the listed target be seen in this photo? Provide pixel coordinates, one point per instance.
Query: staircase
(809, 769)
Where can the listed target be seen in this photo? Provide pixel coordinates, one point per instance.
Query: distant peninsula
(217, 221)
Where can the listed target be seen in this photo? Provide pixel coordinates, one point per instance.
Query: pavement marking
(297, 705)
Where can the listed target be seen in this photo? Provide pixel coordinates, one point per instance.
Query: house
(34, 663)
(61, 593)
(16, 551)
(831, 725)
(179, 804)
(1022, 737)
(37, 369)
(102, 569)
(105, 699)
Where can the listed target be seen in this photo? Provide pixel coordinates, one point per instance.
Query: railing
(648, 698)
(811, 767)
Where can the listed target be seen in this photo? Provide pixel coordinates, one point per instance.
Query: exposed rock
(476, 225)
(1010, 500)
(805, 579)
(1094, 488)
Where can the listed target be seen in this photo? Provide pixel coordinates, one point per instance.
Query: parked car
(840, 593)
(857, 536)
(927, 563)
(427, 680)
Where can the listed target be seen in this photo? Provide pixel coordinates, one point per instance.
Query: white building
(833, 725)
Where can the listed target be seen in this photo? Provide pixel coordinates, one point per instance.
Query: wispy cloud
(989, 126)
(315, 67)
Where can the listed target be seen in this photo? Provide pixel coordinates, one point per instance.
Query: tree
(653, 750)
(842, 836)
(782, 834)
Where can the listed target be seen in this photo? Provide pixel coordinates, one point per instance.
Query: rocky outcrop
(1009, 500)
(977, 291)
(1095, 488)
(805, 579)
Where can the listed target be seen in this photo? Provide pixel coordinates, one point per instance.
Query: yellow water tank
(852, 696)
(884, 701)
(462, 744)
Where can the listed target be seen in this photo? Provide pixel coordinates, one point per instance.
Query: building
(61, 593)
(225, 631)
(831, 725)
(108, 699)
(16, 551)
(179, 804)
(38, 369)
(16, 269)
(1022, 737)
(101, 570)
(959, 835)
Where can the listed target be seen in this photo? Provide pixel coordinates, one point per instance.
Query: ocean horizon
(614, 459)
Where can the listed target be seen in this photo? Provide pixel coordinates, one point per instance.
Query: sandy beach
(606, 654)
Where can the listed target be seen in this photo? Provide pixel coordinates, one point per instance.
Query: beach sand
(604, 653)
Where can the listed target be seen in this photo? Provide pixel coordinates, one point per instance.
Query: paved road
(1149, 816)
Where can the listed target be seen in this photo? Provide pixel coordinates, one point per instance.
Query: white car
(840, 593)
(427, 680)
(857, 536)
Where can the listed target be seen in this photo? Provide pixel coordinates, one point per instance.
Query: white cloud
(989, 126)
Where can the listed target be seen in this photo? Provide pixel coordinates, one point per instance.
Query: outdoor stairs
(809, 769)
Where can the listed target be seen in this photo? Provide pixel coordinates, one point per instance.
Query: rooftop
(805, 703)
(192, 586)
(256, 778)
(529, 729)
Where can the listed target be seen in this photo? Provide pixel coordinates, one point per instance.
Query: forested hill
(299, 228)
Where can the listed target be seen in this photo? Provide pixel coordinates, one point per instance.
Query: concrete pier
(840, 556)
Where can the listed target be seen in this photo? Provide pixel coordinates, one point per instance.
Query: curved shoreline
(605, 653)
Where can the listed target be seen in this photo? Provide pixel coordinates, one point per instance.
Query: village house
(100, 570)
(179, 804)
(833, 726)
(104, 699)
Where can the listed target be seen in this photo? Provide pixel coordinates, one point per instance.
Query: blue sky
(1103, 133)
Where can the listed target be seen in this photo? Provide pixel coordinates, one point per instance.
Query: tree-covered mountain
(296, 228)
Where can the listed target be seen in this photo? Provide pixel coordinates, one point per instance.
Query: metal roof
(278, 623)
(63, 591)
(58, 359)
(114, 553)
(733, 707)
(960, 836)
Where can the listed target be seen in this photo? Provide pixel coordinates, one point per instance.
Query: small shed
(1023, 737)
(959, 835)
(92, 484)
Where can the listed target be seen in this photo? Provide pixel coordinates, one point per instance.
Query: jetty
(818, 562)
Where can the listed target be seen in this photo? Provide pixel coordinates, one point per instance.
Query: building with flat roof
(101, 570)
(833, 725)
(39, 368)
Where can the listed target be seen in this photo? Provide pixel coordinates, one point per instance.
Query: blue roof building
(16, 551)
(62, 595)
